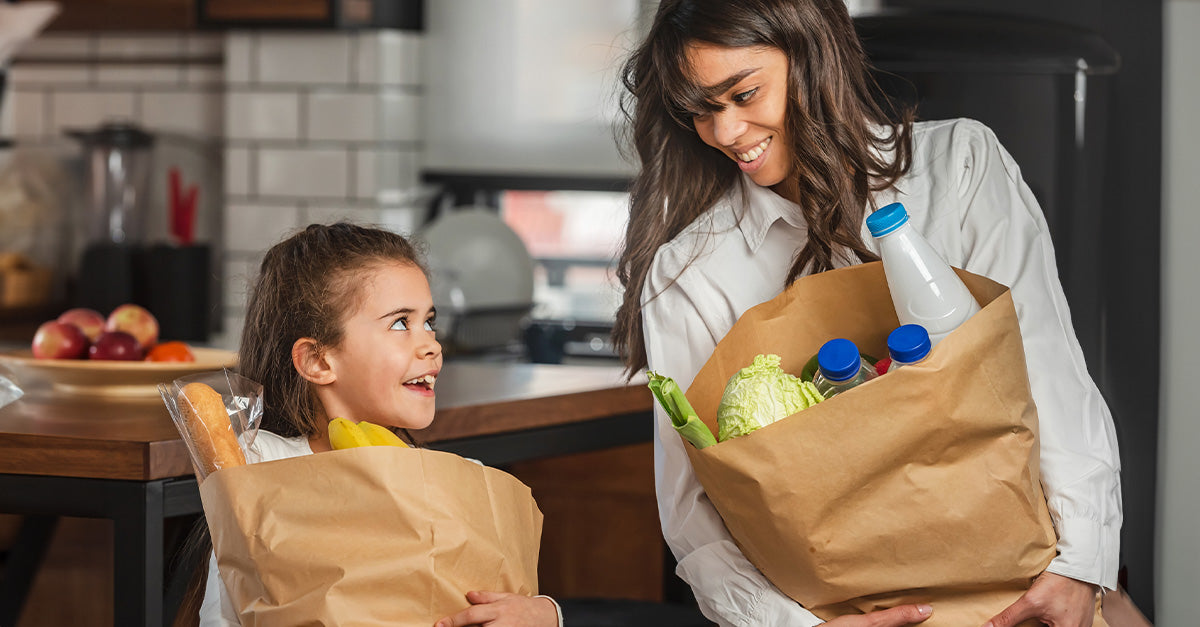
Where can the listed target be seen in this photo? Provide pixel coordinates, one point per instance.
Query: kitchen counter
(123, 460)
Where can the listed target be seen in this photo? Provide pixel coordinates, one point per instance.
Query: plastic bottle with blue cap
(907, 344)
(840, 367)
(925, 290)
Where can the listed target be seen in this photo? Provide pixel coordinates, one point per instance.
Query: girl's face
(752, 84)
(388, 361)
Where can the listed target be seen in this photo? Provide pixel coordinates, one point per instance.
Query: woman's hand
(1053, 599)
(892, 617)
(504, 609)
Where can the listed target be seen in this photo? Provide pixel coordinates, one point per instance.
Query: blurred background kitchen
(486, 128)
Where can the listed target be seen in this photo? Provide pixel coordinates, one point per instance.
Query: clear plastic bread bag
(242, 401)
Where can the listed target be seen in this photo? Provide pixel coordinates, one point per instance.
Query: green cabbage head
(759, 395)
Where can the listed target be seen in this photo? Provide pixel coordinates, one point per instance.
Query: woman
(762, 149)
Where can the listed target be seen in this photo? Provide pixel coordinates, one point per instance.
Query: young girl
(762, 150)
(341, 323)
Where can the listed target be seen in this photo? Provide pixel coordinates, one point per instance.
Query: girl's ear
(310, 362)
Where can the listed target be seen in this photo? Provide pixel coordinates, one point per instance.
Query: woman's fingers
(474, 615)
(1012, 615)
(484, 596)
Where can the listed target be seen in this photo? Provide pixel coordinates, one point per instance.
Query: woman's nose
(728, 126)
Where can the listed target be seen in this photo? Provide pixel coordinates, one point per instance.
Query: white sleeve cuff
(1087, 551)
(730, 591)
(557, 608)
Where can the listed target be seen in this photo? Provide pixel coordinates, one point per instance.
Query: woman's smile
(752, 159)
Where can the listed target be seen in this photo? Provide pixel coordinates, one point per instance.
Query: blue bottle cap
(887, 219)
(908, 343)
(839, 359)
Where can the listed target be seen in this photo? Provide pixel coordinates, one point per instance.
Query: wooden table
(123, 460)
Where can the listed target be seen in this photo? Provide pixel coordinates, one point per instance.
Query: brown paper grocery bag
(919, 486)
(369, 536)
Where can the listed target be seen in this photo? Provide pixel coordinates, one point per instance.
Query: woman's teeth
(754, 152)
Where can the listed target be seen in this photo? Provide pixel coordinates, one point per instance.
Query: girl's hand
(504, 609)
(1054, 600)
(892, 617)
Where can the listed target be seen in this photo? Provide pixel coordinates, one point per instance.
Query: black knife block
(172, 282)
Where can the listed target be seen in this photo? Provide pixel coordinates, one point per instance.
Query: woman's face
(752, 84)
(388, 361)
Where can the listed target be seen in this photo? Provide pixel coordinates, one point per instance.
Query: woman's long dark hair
(844, 144)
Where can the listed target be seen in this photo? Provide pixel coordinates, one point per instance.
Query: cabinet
(124, 15)
(175, 15)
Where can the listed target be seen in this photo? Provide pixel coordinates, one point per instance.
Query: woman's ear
(309, 360)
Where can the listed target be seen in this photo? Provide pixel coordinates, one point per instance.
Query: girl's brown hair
(306, 287)
(839, 133)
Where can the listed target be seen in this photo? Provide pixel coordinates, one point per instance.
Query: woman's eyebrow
(728, 83)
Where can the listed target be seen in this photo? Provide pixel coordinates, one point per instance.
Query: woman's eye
(744, 96)
(400, 325)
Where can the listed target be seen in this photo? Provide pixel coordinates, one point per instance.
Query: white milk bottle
(925, 290)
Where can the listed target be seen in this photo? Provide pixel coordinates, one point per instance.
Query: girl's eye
(744, 96)
(431, 325)
(400, 325)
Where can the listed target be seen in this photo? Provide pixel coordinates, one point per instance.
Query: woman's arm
(1005, 237)
(728, 588)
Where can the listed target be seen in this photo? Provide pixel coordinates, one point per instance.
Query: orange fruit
(170, 351)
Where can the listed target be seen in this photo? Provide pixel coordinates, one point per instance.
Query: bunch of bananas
(346, 434)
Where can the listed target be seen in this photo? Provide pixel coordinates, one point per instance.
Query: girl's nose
(430, 347)
(728, 126)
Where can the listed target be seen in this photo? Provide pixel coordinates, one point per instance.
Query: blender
(117, 164)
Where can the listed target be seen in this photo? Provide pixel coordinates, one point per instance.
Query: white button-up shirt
(965, 194)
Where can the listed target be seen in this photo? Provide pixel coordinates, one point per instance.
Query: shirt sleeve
(217, 609)
(1005, 237)
(728, 588)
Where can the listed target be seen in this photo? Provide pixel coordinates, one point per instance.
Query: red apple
(90, 321)
(136, 321)
(59, 340)
(115, 345)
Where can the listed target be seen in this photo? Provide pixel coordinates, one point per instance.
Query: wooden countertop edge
(500, 417)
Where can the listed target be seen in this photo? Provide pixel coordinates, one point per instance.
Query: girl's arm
(1005, 237)
(217, 610)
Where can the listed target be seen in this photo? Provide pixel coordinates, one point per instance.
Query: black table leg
(138, 558)
(22, 564)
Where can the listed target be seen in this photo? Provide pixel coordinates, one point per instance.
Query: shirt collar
(758, 208)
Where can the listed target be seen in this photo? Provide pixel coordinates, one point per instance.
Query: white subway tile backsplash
(308, 59)
(204, 44)
(139, 46)
(389, 58)
(238, 171)
(58, 47)
(26, 113)
(331, 214)
(400, 116)
(342, 117)
(65, 75)
(239, 57)
(255, 228)
(303, 172)
(135, 75)
(385, 175)
(204, 75)
(239, 275)
(259, 115)
(403, 220)
(76, 109)
(190, 112)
